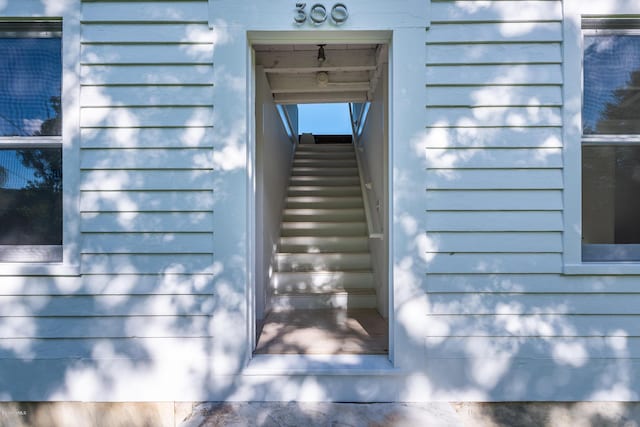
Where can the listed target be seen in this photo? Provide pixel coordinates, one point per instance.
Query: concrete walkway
(415, 415)
(259, 414)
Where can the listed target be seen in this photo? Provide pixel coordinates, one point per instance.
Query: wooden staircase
(323, 259)
(323, 298)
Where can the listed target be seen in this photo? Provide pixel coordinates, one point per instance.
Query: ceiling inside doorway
(297, 73)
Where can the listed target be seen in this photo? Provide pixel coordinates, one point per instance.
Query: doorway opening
(321, 198)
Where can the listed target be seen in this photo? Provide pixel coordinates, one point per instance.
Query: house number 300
(318, 13)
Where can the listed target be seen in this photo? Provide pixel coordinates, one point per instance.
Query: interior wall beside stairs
(274, 151)
(374, 156)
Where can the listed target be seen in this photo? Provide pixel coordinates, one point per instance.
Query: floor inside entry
(321, 283)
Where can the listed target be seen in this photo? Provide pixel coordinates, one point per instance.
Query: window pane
(31, 196)
(611, 194)
(30, 86)
(611, 85)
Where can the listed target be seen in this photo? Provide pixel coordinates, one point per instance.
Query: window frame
(53, 260)
(574, 140)
(596, 252)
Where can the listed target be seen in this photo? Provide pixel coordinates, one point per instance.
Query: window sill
(603, 268)
(38, 269)
(297, 364)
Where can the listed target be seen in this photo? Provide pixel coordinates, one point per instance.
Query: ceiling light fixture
(321, 55)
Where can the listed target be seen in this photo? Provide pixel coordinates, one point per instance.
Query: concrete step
(339, 181)
(319, 228)
(316, 214)
(324, 190)
(320, 244)
(285, 281)
(353, 298)
(324, 202)
(323, 262)
(324, 171)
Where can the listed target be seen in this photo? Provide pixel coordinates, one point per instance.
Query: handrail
(284, 113)
(374, 228)
(375, 232)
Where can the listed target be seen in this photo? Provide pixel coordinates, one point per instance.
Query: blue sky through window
(324, 119)
(30, 77)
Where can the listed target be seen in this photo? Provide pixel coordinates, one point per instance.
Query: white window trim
(69, 12)
(574, 10)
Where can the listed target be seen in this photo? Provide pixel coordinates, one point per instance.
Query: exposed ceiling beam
(308, 83)
(297, 59)
(318, 98)
(303, 70)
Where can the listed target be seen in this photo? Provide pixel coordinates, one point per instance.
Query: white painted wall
(274, 152)
(489, 299)
(373, 149)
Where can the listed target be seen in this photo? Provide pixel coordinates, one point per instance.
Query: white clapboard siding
(184, 74)
(146, 96)
(516, 242)
(559, 348)
(494, 96)
(176, 283)
(496, 179)
(140, 53)
(142, 201)
(157, 158)
(493, 137)
(523, 304)
(146, 264)
(145, 180)
(474, 158)
(494, 116)
(147, 33)
(495, 74)
(126, 137)
(109, 305)
(146, 222)
(494, 221)
(530, 283)
(530, 325)
(145, 11)
(500, 32)
(139, 348)
(151, 243)
(533, 263)
(54, 327)
(146, 116)
(499, 200)
(511, 53)
(497, 11)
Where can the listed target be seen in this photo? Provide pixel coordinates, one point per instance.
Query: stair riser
(316, 302)
(289, 282)
(321, 172)
(323, 244)
(292, 229)
(326, 181)
(325, 156)
(324, 191)
(346, 203)
(323, 248)
(336, 216)
(304, 148)
(322, 262)
(314, 163)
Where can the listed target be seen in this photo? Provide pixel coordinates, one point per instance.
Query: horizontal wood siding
(146, 160)
(494, 198)
(146, 182)
(493, 144)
